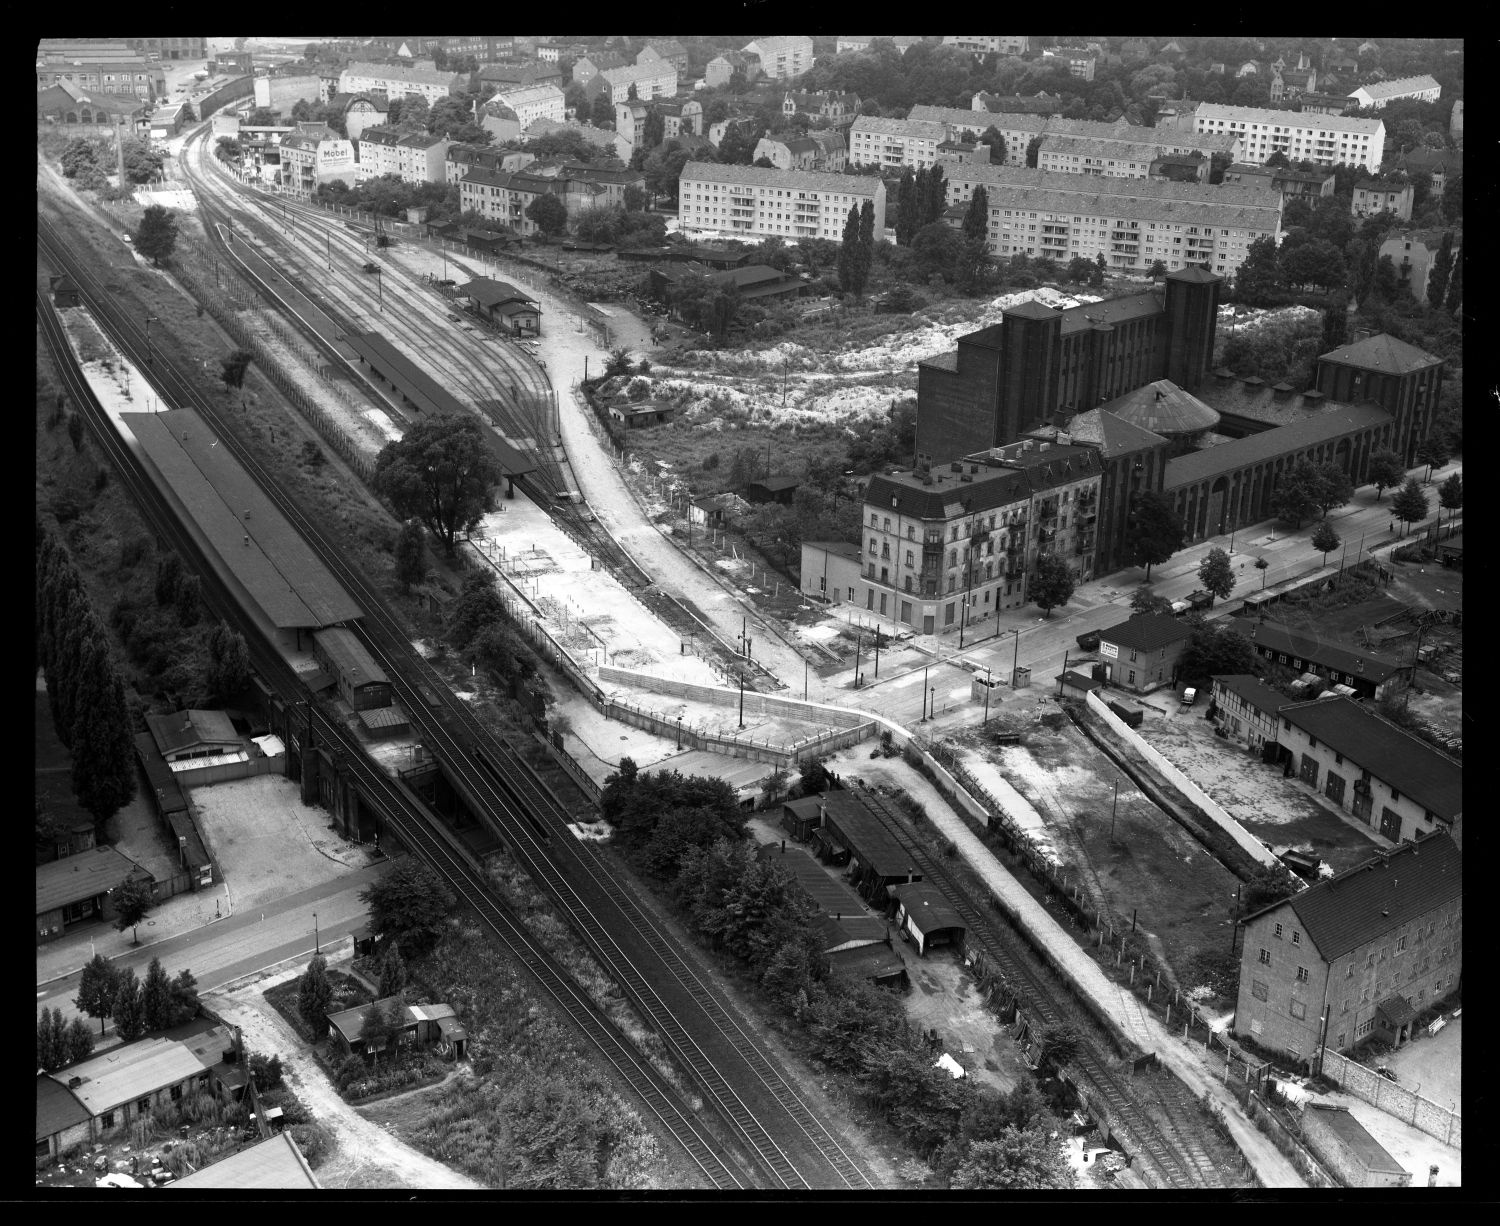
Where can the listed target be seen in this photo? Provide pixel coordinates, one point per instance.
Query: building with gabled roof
(1389, 779)
(77, 889)
(1144, 652)
(1373, 196)
(62, 1122)
(654, 79)
(782, 56)
(531, 102)
(1371, 675)
(1346, 1148)
(1405, 381)
(668, 49)
(1326, 139)
(925, 916)
(275, 1164)
(1414, 253)
(184, 735)
(755, 202)
(1245, 708)
(399, 80)
(874, 141)
(124, 1083)
(1356, 956)
(1378, 93)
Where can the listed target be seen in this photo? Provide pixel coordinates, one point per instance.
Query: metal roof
(273, 1164)
(124, 1074)
(1147, 632)
(487, 292)
(828, 893)
(89, 873)
(1382, 352)
(1253, 690)
(1395, 757)
(1354, 1137)
(408, 378)
(1389, 890)
(867, 837)
(262, 550)
(1163, 408)
(927, 905)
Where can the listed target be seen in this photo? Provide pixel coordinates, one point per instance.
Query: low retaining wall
(202, 776)
(1406, 1105)
(1194, 794)
(851, 727)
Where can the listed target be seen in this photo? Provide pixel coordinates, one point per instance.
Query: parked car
(370, 266)
(1089, 640)
(1189, 696)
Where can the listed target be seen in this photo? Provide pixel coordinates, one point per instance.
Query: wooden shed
(361, 682)
(925, 916)
(877, 858)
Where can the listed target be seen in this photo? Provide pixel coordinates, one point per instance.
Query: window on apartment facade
(1277, 933)
(1265, 957)
(1296, 937)
(1302, 974)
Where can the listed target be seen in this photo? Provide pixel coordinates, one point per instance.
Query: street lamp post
(679, 732)
(1015, 663)
(1114, 808)
(317, 944)
(986, 694)
(742, 702)
(150, 354)
(924, 693)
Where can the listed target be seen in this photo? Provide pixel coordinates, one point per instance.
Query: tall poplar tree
(1442, 270)
(906, 208)
(977, 219)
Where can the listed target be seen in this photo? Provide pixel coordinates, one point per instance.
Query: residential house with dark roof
(789, 151)
(726, 64)
(1372, 196)
(591, 65)
(77, 889)
(1392, 781)
(1144, 652)
(837, 108)
(1356, 956)
(925, 917)
(185, 735)
(419, 1026)
(1441, 165)
(1245, 708)
(62, 1122)
(275, 1164)
(668, 49)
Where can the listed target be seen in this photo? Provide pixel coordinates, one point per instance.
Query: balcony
(1047, 515)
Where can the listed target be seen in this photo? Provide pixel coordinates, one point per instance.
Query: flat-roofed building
(874, 141)
(1325, 139)
(755, 201)
(657, 79)
(399, 80)
(989, 44)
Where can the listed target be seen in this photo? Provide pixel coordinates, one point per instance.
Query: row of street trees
(857, 251)
(108, 991)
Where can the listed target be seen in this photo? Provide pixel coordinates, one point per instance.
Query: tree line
(688, 834)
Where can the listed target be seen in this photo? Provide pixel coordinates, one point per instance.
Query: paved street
(223, 950)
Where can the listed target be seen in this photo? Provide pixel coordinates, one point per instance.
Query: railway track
(652, 967)
(1183, 1164)
(406, 816)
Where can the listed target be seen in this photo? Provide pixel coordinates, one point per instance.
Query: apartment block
(895, 142)
(1016, 127)
(948, 549)
(313, 155)
(1080, 60)
(1131, 222)
(532, 102)
(989, 44)
(1372, 196)
(782, 57)
(656, 79)
(1325, 139)
(754, 201)
(399, 80)
(1120, 149)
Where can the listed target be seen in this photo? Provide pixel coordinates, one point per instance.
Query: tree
(977, 219)
(1051, 583)
(440, 472)
(189, 600)
(411, 555)
(1386, 471)
(1455, 287)
(264, 1071)
(635, 198)
(228, 663)
(1314, 262)
(1096, 277)
(907, 216)
(412, 117)
(774, 786)
(1216, 574)
(103, 751)
(1033, 147)
(132, 902)
(549, 213)
(142, 162)
(936, 202)
(478, 607)
(1144, 600)
(1157, 271)
(935, 250)
(80, 1041)
(1016, 1160)
(168, 578)
(75, 430)
(156, 236)
(866, 240)
(602, 111)
(1267, 886)
(409, 904)
(1259, 275)
(129, 1013)
(849, 252)
(1442, 270)
(618, 362)
(995, 139)
(1451, 494)
(232, 369)
(96, 989)
(816, 778)
(1154, 533)
(1386, 285)
(382, 1025)
(156, 997)
(51, 1040)
(185, 1004)
(315, 997)
(1212, 652)
(1296, 494)
(392, 971)
(1433, 452)
(1324, 539)
(1335, 326)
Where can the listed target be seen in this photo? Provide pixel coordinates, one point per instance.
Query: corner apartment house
(657, 79)
(989, 44)
(314, 155)
(782, 57)
(399, 80)
(1117, 150)
(1292, 184)
(1378, 93)
(1387, 778)
(1144, 652)
(1356, 956)
(951, 547)
(1325, 139)
(532, 102)
(895, 142)
(1131, 222)
(792, 204)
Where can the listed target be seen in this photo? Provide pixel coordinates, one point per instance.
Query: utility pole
(924, 693)
(1114, 808)
(877, 651)
(1015, 663)
(986, 695)
(742, 701)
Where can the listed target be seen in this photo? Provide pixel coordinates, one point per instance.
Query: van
(1189, 696)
